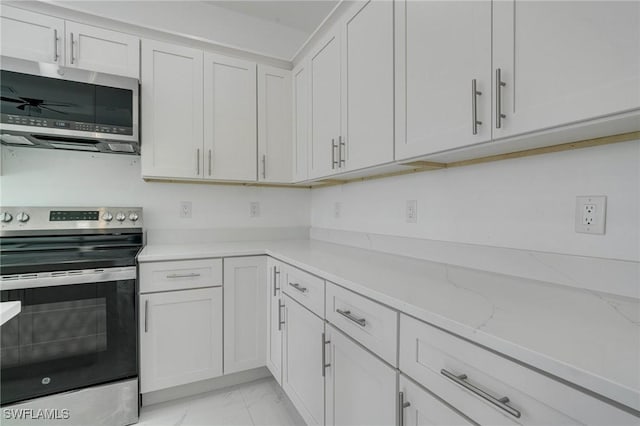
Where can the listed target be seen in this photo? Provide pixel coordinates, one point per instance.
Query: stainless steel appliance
(48, 106)
(73, 346)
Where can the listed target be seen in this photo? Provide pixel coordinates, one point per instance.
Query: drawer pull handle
(280, 322)
(347, 314)
(146, 316)
(498, 402)
(324, 355)
(401, 406)
(276, 275)
(298, 287)
(193, 275)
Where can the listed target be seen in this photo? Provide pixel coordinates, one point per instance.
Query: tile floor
(259, 403)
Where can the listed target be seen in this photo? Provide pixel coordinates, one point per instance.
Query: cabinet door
(442, 47)
(31, 36)
(424, 409)
(97, 49)
(171, 96)
(274, 125)
(367, 69)
(360, 388)
(325, 107)
(245, 329)
(274, 319)
(301, 128)
(180, 337)
(564, 61)
(230, 128)
(302, 377)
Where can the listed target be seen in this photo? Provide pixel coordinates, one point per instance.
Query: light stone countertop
(9, 310)
(587, 338)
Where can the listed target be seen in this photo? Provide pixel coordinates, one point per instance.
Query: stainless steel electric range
(71, 353)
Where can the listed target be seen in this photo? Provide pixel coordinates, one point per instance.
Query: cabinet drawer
(180, 275)
(371, 324)
(440, 361)
(305, 288)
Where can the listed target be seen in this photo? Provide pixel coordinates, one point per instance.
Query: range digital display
(67, 215)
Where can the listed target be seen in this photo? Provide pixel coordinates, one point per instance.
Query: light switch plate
(254, 209)
(185, 209)
(591, 214)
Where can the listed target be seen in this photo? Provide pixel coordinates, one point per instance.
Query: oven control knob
(120, 216)
(22, 217)
(107, 216)
(133, 216)
(6, 217)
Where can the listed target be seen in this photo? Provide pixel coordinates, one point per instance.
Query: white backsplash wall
(526, 203)
(39, 177)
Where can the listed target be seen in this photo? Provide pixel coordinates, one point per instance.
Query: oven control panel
(69, 218)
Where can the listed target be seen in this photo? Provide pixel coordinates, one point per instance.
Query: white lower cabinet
(302, 368)
(421, 408)
(245, 329)
(180, 337)
(274, 319)
(360, 388)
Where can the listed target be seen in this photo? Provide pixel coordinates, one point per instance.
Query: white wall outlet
(254, 209)
(411, 214)
(591, 214)
(337, 210)
(185, 209)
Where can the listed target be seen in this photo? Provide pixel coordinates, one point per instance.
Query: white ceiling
(304, 15)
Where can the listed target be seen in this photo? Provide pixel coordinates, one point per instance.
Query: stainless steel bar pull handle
(146, 316)
(499, 85)
(324, 355)
(72, 49)
(198, 162)
(276, 276)
(264, 166)
(347, 314)
(55, 45)
(341, 151)
(474, 107)
(401, 406)
(209, 162)
(333, 154)
(298, 287)
(191, 275)
(498, 402)
(280, 322)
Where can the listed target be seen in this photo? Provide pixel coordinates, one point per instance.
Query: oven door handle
(56, 278)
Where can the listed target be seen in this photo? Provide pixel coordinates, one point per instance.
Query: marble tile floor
(259, 403)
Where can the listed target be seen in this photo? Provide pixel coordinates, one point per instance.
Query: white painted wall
(204, 21)
(39, 177)
(527, 203)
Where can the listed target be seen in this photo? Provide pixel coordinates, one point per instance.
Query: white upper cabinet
(230, 122)
(245, 311)
(443, 52)
(37, 37)
(367, 70)
(301, 128)
(171, 96)
(564, 62)
(97, 49)
(325, 107)
(31, 36)
(275, 149)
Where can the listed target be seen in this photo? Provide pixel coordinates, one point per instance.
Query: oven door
(68, 336)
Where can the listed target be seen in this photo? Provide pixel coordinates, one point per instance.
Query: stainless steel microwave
(48, 106)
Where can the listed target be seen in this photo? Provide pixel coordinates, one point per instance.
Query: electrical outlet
(254, 209)
(337, 210)
(591, 214)
(185, 209)
(411, 213)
